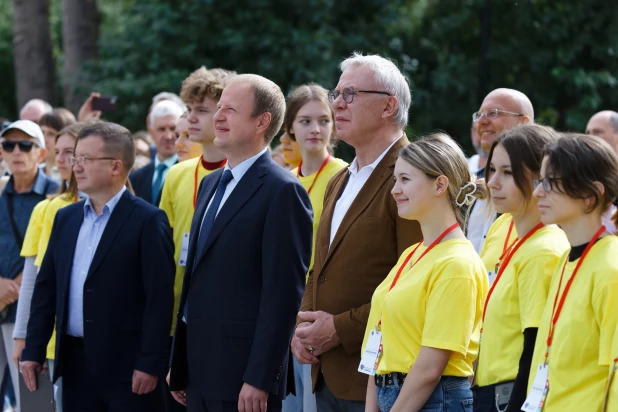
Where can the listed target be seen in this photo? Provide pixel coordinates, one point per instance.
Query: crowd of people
(192, 267)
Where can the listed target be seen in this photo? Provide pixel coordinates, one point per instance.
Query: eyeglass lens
(9, 145)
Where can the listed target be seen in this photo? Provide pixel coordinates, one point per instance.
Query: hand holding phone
(104, 103)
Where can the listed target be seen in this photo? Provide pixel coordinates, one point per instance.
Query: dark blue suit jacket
(128, 292)
(141, 181)
(246, 287)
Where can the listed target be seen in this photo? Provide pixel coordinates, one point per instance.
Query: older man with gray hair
(604, 124)
(34, 109)
(148, 181)
(360, 236)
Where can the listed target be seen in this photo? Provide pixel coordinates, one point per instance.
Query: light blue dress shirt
(88, 240)
(169, 162)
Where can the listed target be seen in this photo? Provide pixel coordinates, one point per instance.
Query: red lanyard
(197, 167)
(509, 254)
(316, 175)
(505, 249)
(435, 242)
(556, 311)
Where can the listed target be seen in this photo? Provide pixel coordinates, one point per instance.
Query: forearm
(518, 396)
(371, 401)
(25, 298)
(351, 325)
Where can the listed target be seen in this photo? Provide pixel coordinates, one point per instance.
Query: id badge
(184, 250)
(491, 277)
(536, 398)
(371, 355)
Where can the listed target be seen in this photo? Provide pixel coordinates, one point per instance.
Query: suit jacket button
(321, 279)
(280, 368)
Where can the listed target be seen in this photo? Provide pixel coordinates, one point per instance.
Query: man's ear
(42, 154)
(391, 107)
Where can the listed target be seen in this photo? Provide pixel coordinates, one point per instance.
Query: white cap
(30, 128)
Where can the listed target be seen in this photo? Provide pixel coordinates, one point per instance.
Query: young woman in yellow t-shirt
(419, 341)
(309, 123)
(523, 273)
(578, 181)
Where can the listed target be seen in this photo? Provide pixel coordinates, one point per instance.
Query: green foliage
(8, 94)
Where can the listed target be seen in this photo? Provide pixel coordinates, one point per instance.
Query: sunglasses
(24, 146)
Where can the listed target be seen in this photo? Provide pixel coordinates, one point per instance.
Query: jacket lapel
(198, 216)
(244, 190)
(119, 216)
(69, 239)
(379, 177)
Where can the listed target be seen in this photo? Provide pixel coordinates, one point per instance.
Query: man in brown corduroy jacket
(360, 236)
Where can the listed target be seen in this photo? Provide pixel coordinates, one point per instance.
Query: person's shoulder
(51, 186)
(70, 210)
(142, 171)
(40, 207)
(182, 168)
(335, 166)
(549, 240)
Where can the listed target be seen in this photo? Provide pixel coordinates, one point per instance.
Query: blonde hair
(437, 155)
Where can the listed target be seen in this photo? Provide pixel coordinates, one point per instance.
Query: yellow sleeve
(450, 314)
(46, 227)
(33, 233)
(605, 306)
(167, 198)
(533, 282)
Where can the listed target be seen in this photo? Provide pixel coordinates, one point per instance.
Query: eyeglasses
(548, 183)
(492, 114)
(81, 160)
(24, 146)
(349, 93)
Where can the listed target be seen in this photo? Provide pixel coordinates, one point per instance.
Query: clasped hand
(316, 332)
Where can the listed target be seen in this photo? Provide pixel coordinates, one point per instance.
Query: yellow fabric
(493, 246)
(48, 222)
(437, 303)
(54, 205)
(317, 192)
(581, 349)
(517, 303)
(177, 203)
(612, 401)
(31, 239)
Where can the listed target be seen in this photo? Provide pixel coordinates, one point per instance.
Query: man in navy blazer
(107, 279)
(249, 250)
(148, 181)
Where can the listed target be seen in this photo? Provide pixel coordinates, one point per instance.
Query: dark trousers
(197, 403)
(327, 402)
(171, 405)
(485, 399)
(82, 393)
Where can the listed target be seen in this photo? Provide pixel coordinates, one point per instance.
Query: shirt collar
(40, 184)
(169, 162)
(241, 168)
(109, 206)
(353, 168)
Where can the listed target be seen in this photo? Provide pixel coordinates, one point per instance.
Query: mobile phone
(104, 103)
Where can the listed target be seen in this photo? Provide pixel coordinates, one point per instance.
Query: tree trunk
(80, 31)
(34, 64)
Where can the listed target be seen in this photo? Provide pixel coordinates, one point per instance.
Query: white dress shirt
(482, 216)
(356, 181)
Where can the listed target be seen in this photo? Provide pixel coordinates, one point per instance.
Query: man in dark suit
(107, 278)
(148, 180)
(249, 250)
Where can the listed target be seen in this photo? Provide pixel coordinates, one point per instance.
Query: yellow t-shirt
(493, 247)
(177, 203)
(517, 303)
(48, 222)
(581, 349)
(437, 303)
(54, 205)
(317, 192)
(31, 239)
(612, 400)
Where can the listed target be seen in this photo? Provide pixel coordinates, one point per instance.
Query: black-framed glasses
(25, 146)
(492, 114)
(548, 183)
(81, 160)
(349, 93)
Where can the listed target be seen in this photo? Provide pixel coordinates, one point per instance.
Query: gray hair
(389, 77)
(165, 108)
(45, 107)
(167, 96)
(613, 120)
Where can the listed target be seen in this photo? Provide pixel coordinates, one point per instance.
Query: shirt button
(321, 279)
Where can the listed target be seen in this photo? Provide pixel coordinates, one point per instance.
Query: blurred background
(562, 54)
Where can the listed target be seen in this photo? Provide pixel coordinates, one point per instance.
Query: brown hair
(579, 161)
(300, 97)
(68, 189)
(524, 144)
(56, 120)
(437, 155)
(203, 83)
(117, 141)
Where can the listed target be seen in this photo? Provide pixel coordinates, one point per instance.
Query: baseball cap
(30, 128)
